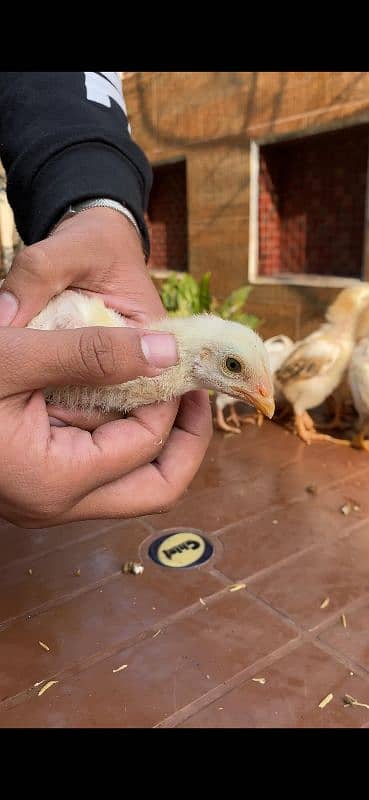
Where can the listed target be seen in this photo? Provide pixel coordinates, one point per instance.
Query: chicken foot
(358, 441)
(223, 425)
(237, 419)
(248, 419)
(305, 429)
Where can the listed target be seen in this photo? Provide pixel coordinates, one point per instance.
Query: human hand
(98, 251)
(50, 475)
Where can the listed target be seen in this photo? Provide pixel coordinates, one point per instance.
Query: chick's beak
(263, 403)
(261, 397)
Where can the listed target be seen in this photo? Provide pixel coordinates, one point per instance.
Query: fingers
(157, 486)
(82, 357)
(33, 280)
(98, 250)
(85, 420)
(113, 450)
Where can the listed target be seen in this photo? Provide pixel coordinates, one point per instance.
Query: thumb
(33, 279)
(82, 357)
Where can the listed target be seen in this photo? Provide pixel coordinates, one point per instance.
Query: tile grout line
(342, 658)
(227, 686)
(307, 633)
(140, 638)
(265, 571)
(60, 547)
(303, 637)
(298, 498)
(56, 602)
(49, 605)
(187, 611)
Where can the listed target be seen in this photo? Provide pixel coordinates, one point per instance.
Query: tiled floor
(192, 648)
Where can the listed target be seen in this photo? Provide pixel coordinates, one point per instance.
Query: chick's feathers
(316, 366)
(314, 357)
(358, 378)
(203, 342)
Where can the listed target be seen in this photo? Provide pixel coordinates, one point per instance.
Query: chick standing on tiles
(317, 365)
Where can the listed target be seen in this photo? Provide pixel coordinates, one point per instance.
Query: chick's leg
(308, 421)
(222, 424)
(233, 416)
(303, 429)
(250, 419)
(246, 419)
(358, 441)
(306, 431)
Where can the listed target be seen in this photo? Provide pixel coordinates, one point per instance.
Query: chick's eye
(233, 365)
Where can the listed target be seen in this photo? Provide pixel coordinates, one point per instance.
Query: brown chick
(316, 366)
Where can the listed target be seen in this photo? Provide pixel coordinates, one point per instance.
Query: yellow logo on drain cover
(181, 548)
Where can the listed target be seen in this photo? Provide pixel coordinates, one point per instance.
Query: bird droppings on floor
(348, 507)
(133, 567)
(350, 701)
(175, 627)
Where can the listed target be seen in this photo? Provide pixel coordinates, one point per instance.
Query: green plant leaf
(248, 319)
(183, 296)
(234, 302)
(204, 292)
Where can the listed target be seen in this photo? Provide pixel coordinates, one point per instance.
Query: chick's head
(232, 359)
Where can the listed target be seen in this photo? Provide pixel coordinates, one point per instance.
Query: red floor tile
(182, 663)
(339, 571)
(294, 549)
(294, 687)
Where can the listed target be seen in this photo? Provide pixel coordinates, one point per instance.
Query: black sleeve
(64, 138)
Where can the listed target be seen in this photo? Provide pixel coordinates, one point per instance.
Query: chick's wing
(311, 358)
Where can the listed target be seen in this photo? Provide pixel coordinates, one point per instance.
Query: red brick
(311, 204)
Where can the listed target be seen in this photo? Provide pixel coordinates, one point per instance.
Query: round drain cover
(180, 548)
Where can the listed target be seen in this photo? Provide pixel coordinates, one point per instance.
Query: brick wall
(209, 119)
(167, 217)
(312, 204)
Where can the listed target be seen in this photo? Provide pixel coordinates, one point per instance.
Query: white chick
(358, 380)
(213, 354)
(278, 348)
(316, 366)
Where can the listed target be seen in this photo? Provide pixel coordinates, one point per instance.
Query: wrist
(86, 205)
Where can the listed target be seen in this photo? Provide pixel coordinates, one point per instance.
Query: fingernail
(160, 349)
(8, 308)
(57, 423)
